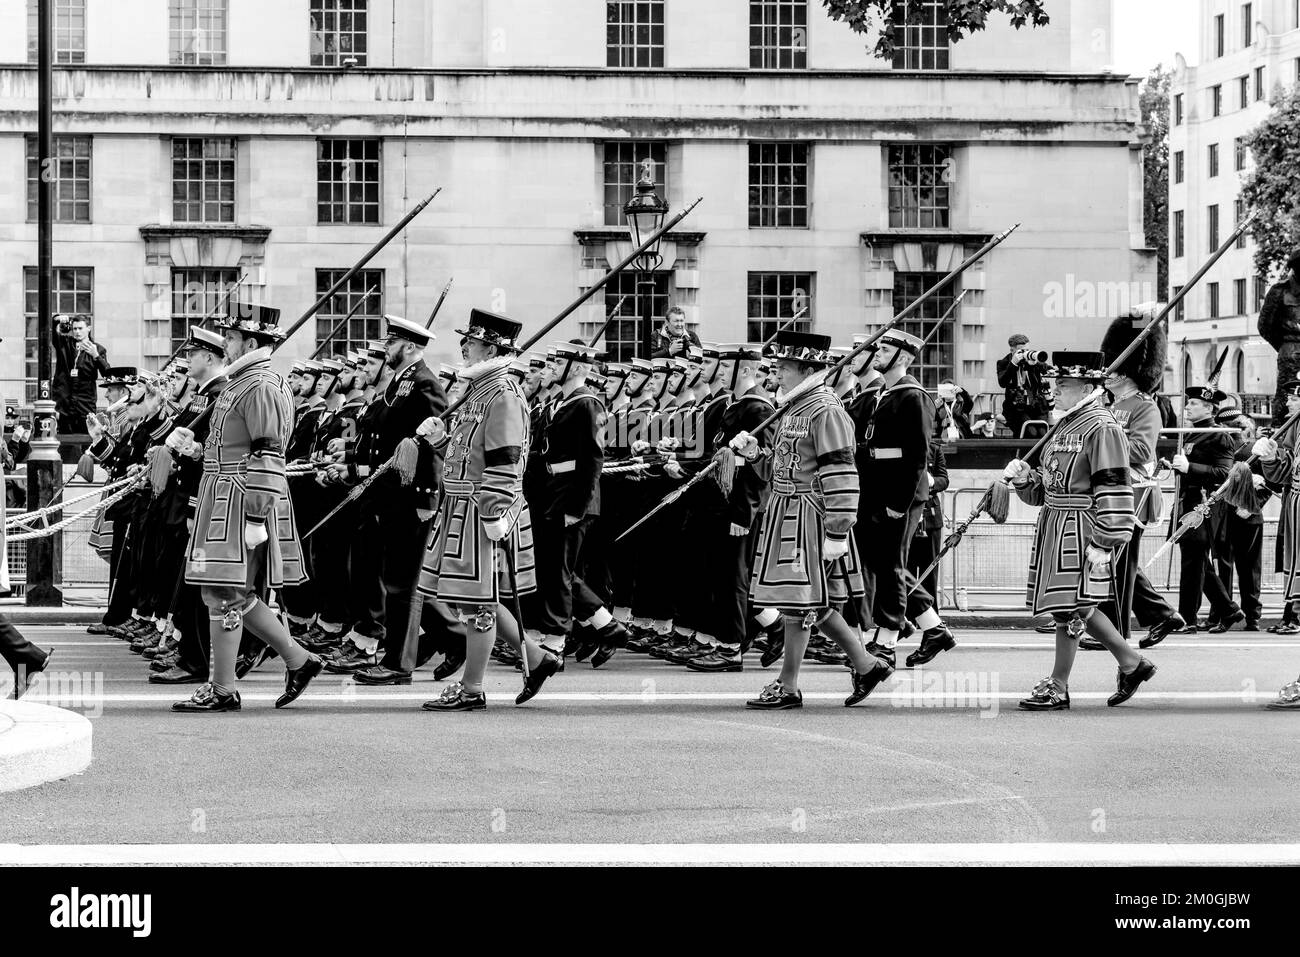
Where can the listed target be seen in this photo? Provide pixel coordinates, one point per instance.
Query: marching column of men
(395, 514)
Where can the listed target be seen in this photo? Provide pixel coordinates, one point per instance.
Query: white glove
(834, 549)
(254, 534)
(181, 441)
(745, 445)
(1098, 558)
(640, 447)
(93, 426)
(1017, 471)
(673, 469)
(669, 445)
(1180, 463)
(1243, 513)
(1265, 448)
(929, 480)
(432, 430)
(335, 446)
(499, 529)
(738, 530)
(1257, 481)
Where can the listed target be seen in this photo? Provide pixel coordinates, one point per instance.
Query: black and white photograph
(552, 434)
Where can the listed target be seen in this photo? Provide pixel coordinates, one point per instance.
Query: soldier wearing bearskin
(1131, 388)
(244, 540)
(1082, 487)
(807, 563)
(483, 514)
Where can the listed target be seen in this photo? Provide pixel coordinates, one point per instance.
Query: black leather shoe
(296, 680)
(676, 642)
(1126, 685)
(864, 684)
(719, 662)
(613, 635)
(318, 640)
(585, 648)
(887, 655)
(174, 676)
(537, 677)
(775, 698)
(696, 649)
(775, 649)
(450, 664)
(98, 628)
(1288, 628)
(22, 683)
(1046, 628)
(934, 641)
(380, 675)
(1173, 625)
(350, 660)
(207, 700)
(1252, 624)
(1089, 643)
(1185, 630)
(163, 664)
(456, 698)
(1224, 624)
(1046, 696)
(247, 662)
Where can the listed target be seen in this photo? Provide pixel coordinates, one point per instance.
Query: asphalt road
(645, 752)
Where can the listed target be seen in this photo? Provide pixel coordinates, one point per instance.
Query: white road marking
(759, 854)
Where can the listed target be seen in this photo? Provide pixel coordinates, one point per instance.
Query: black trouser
(164, 587)
(1198, 576)
(365, 582)
(564, 595)
(886, 542)
(656, 548)
(125, 591)
(20, 654)
(331, 553)
(1240, 545)
(191, 620)
(303, 601)
(404, 539)
(715, 578)
(121, 530)
(1136, 595)
(925, 545)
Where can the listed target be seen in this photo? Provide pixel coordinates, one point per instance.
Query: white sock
(661, 626)
(553, 643)
(600, 619)
(332, 629)
(298, 620)
(622, 614)
(767, 617)
(363, 643)
(928, 619)
(886, 638)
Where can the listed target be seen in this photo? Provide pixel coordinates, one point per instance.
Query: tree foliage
(963, 17)
(1154, 100)
(1270, 189)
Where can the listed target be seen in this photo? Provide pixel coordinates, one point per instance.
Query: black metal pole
(646, 287)
(44, 465)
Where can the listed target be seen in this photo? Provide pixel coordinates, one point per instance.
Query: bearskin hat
(1146, 366)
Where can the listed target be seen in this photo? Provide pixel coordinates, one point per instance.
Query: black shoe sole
(477, 706)
(783, 706)
(1056, 707)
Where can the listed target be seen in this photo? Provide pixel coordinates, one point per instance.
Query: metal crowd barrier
(993, 560)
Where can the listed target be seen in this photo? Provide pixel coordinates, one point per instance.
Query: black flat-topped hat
(1090, 366)
(493, 329)
(259, 322)
(802, 347)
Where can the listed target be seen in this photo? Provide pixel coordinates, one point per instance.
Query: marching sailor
(244, 539)
(1082, 486)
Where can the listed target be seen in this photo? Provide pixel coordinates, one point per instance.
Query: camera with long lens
(1037, 357)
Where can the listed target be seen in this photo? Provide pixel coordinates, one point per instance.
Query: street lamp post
(645, 213)
(44, 465)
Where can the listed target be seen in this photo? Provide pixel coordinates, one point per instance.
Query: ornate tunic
(1283, 474)
(1082, 482)
(484, 458)
(243, 481)
(814, 496)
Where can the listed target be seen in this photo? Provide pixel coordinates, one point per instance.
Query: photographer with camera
(671, 340)
(78, 363)
(1020, 373)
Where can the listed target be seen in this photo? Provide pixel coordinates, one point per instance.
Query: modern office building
(1248, 51)
(200, 141)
